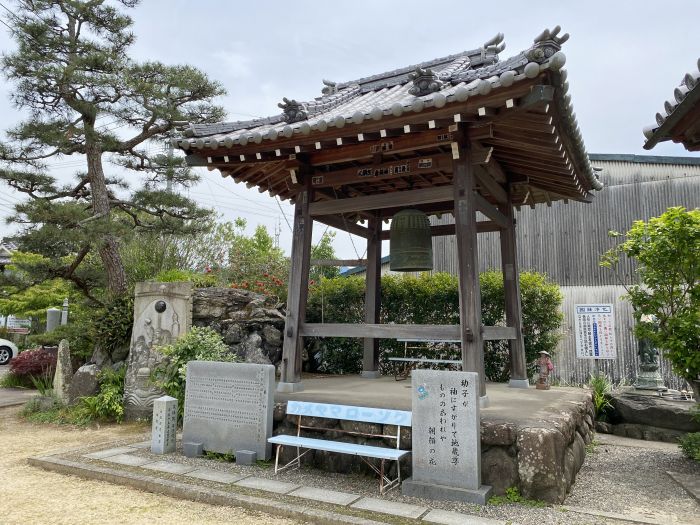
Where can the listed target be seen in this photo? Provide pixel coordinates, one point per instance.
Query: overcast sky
(624, 59)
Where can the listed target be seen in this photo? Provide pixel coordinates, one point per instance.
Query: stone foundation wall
(541, 459)
(250, 326)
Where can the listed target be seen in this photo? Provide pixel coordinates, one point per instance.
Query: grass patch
(512, 495)
(264, 463)
(14, 381)
(592, 447)
(228, 457)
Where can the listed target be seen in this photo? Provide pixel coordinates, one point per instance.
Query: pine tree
(85, 98)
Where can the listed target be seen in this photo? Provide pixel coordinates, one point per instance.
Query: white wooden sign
(595, 331)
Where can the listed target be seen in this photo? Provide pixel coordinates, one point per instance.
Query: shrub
(432, 299)
(199, 344)
(108, 403)
(33, 363)
(198, 280)
(690, 445)
(601, 386)
(78, 334)
(112, 325)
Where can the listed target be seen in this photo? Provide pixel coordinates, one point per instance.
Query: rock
(405, 439)
(101, 357)
(603, 427)
(233, 335)
(497, 434)
(251, 350)
(279, 412)
(541, 454)
(569, 470)
(64, 373)
(360, 427)
(320, 423)
(654, 411)
(578, 448)
(272, 335)
(120, 354)
(498, 469)
(84, 382)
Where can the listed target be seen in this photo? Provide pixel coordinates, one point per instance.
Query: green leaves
(666, 250)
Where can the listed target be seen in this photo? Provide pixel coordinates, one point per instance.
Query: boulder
(654, 411)
(497, 434)
(233, 334)
(84, 382)
(578, 447)
(541, 455)
(272, 335)
(64, 373)
(498, 469)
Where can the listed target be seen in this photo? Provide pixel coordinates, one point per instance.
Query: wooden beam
(513, 306)
(425, 332)
(338, 262)
(490, 210)
(370, 355)
(384, 200)
(292, 346)
(345, 225)
(492, 187)
(468, 264)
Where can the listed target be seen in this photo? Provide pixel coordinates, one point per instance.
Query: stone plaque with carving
(228, 406)
(164, 425)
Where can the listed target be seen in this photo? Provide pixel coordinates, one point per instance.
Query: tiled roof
(432, 84)
(676, 122)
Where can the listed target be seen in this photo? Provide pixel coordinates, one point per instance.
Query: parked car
(8, 350)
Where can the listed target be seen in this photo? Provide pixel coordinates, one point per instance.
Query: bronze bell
(411, 245)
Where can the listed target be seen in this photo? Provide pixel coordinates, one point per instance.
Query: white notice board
(595, 331)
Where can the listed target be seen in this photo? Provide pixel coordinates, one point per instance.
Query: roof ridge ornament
(331, 88)
(489, 51)
(294, 111)
(546, 44)
(425, 81)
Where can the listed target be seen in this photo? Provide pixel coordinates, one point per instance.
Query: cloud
(234, 62)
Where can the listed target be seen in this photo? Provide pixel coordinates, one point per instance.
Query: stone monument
(162, 313)
(446, 437)
(64, 373)
(164, 426)
(649, 377)
(228, 406)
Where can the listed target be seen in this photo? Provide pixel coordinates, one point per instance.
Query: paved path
(15, 396)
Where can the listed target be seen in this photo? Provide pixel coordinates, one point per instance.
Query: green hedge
(430, 299)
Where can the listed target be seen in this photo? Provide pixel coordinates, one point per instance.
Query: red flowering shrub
(35, 363)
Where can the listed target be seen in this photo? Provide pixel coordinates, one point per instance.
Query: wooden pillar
(297, 294)
(468, 265)
(370, 357)
(511, 285)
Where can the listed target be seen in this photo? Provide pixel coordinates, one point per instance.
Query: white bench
(400, 418)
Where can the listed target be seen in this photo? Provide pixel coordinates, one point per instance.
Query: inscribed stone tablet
(228, 406)
(164, 425)
(446, 428)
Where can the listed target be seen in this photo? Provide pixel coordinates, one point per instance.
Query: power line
(283, 215)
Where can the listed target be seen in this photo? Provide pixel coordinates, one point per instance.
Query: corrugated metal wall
(565, 241)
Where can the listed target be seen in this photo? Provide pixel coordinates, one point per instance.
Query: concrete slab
(518, 406)
(109, 452)
(327, 496)
(393, 508)
(15, 396)
(142, 444)
(215, 475)
(448, 517)
(169, 467)
(128, 459)
(690, 483)
(269, 485)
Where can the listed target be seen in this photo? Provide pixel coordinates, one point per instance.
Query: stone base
(246, 457)
(542, 386)
(289, 388)
(422, 489)
(650, 381)
(519, 383)
(370, 374)
(484, 402)
(192, 450)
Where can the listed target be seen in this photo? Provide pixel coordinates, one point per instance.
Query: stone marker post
(53, 319)
(164, 425)
(64, 373)
(446, 437)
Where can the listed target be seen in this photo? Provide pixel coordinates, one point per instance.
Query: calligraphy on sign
(595, 331)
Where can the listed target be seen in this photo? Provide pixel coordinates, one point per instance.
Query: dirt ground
(32, 496)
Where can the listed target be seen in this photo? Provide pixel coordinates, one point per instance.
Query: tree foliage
(84, 96)
(667, 252)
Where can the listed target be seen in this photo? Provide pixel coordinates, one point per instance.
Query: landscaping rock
(362, 428)
(272, 335)
(233, 334)
(578, 448)
(499, 434)
(498, 469)
(64, 373)
(603, 427)
(654, 411)
(541, 454)
(84, 382)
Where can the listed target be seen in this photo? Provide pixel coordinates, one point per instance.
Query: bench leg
(295, 462)
(385, 483)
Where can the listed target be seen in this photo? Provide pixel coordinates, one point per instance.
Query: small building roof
(680, 119)
(519, 107)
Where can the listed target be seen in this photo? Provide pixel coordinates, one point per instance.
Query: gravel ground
(33, 496)
(625, 480)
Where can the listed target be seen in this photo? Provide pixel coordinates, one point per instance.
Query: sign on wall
(595, 331)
